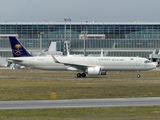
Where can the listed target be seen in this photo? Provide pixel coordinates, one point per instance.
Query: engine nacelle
(95, 71)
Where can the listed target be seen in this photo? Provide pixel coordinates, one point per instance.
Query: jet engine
(95, 71)
(103, 73)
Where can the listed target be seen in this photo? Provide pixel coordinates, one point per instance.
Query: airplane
(80, 55)
(73, 55)
(84, 65)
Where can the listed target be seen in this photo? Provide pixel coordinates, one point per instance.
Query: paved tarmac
(80, 103)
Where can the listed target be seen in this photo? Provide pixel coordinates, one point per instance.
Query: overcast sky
(80, 10)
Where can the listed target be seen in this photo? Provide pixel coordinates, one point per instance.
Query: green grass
(118, 113)
(38, 84)
(67, 86)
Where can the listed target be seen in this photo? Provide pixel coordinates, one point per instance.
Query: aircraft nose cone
(154, 65)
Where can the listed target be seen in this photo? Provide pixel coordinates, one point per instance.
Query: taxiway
(80, 103)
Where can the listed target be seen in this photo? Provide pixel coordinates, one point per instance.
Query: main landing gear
(138, 76)
(81, 75)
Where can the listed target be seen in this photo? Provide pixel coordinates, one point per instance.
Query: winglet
(55, 60)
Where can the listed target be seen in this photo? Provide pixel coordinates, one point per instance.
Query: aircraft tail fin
(17, 48)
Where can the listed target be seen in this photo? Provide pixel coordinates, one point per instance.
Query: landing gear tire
(138, 76)
(79, 75)
(83, 74)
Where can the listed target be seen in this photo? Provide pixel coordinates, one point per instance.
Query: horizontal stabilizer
(14, 61)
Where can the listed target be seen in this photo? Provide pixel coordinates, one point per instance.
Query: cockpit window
(147, 61)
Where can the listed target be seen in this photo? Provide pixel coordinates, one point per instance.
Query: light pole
(67, 19)
(41, 33)
(84, 35)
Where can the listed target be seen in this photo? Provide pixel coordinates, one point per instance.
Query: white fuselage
(105, 63)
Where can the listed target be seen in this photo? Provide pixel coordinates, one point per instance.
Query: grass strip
(117, 113)
(115, 85)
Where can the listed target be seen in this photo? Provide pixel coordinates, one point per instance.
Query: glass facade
(119, 39)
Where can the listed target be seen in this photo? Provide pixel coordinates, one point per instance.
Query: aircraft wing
(78, 66)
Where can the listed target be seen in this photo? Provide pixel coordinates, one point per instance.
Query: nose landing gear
(138, 76)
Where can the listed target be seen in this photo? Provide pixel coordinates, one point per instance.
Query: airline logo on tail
(17, 50)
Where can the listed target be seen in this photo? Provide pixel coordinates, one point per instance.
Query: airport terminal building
(116, 39)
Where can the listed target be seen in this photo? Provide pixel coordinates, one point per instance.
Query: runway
(80, 103)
